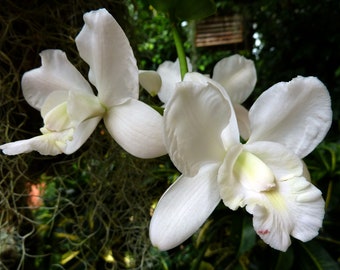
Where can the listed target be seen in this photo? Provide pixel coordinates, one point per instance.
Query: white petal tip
(161, 243)
(15, 148)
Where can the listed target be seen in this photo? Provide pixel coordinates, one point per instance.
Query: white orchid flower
(265, 175)
(71, 110)
(235, 73)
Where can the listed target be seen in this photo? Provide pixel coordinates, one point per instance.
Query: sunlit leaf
(108, 257)
(202, 233)
(66, 257)
(69, 236)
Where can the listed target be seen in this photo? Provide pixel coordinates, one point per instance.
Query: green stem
(180, 51)
(329, 194)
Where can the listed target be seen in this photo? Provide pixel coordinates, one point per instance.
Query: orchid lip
(253, 173)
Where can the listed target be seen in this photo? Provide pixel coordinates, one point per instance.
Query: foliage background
(98, 201)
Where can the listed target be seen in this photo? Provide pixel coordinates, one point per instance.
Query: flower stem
(180, 50)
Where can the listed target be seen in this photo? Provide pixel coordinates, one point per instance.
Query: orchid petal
(81, 133)
(231, 191)
(18, 147)
(150, 81)
(194, 120)
(54, 143)
(50, 143)
(63, 109)
(230, 134)
(296, 114)
(58, 119)
(54, 111)
(83, 107)
(55, 74)
(184, 207)
(170, 74)
(137, 128)
(53, 100)
(306, 173)
(243, 122)
(237, 75)
(105, 47)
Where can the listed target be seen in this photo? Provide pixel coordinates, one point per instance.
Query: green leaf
(248, 236)
(195, 10)
(185, 9)
(317, 257)
(285, 260)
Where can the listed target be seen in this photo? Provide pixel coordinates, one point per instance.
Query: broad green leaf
(248, 236)
(185, 9)
(317, 257)
(195, 10)
(285, 260)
